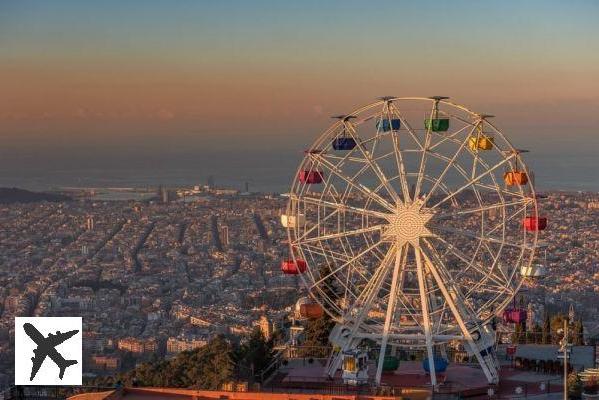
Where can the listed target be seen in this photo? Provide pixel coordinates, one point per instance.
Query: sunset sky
(100, 71)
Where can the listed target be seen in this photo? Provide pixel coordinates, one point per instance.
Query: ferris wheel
(409, 221)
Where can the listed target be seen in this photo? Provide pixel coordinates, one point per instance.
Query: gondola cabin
(311, 177)
(437, 124)
(344, 143)
(513, 178)
(311, 311)
(482, 142)
(386, 125)
(293, 221)
(514, 316)
(290, 267)
(440, 365)
(390, 363)
(535, 223)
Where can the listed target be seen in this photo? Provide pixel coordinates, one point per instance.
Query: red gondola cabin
(514, 316)
(535, 223)
(310, 177)
(290, 267)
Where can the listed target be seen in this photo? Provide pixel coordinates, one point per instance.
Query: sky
(111, 78)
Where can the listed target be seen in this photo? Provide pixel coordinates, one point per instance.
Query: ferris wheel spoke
(343, 234)
(470, 262)
(482, 209)
(520, 211)
(390, 311)
(391, 111)
(363, 304)
(349, 262)
(340, 207)
(424, 304)
(373, 165)
(447, 167)
(425, 149)
(406, 123)
(450, 137)
(461, 313)
(472, 235)
(331, 256)
(474, 180)
(358, 186)
(318, 248)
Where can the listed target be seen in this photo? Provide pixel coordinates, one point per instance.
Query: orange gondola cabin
(512, 178)
(311, 311)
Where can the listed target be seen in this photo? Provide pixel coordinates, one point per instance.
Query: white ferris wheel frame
(310, 238)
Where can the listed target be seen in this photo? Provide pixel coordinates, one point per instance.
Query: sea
(266, 163)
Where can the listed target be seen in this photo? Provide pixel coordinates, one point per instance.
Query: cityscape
(299, 201)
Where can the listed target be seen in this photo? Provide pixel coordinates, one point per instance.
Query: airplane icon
(46, 347)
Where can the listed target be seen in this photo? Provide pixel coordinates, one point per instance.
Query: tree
(537, 332)
(574, 386)
(205, 368)
(316, 334)
(254, 355)
(546, 331)
(578, 333)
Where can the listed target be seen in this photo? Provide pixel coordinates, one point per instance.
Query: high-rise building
(90, 223)
(224, 235)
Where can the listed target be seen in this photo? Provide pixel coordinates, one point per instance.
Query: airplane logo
(46, 347)
(48, 351)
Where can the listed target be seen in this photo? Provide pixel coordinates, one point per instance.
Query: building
(265, 327)
(105, 363)
(224, 235)
(137, 346)
(179, 344)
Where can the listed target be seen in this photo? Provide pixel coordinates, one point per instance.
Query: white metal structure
(410, 236)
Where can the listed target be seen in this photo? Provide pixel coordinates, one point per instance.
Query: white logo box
(68, 353)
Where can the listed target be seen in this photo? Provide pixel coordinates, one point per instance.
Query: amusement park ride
(412, 223)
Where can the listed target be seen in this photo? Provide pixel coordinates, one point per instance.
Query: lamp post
(565, 348)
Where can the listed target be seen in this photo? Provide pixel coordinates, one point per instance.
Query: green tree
(574, 386)
(316, 334)
(254, 355)
(536, 334)
(578, 333)
(205, 368)
(546, 330)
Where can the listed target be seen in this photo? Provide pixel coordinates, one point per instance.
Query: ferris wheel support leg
(425, 315)
(389, 316)
(487, 363)
(350, 341)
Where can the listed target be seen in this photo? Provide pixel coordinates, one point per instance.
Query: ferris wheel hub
(408, 224)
